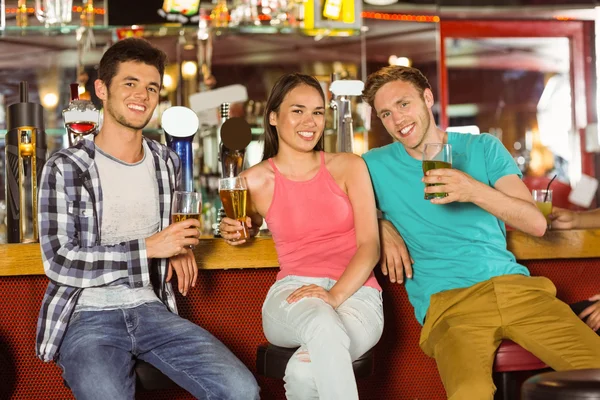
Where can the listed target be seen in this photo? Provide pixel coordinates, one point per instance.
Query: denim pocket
(76, 316)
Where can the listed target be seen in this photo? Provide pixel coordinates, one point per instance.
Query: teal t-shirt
(455, 245)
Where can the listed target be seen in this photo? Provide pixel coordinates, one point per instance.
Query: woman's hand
(563, 219)
(231, 230)
(313, 291)
(592, 313)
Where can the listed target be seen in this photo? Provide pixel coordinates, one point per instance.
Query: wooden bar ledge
(25, 259)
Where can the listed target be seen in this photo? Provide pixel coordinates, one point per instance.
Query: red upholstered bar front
(228, 303)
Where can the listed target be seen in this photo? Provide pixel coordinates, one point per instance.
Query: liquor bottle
(87, 15)
(81, 117)
(22, 18)
(220, 14)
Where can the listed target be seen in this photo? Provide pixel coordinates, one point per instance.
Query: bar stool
(148, 377)
(510, 357)
(563, 385)
(272, 360)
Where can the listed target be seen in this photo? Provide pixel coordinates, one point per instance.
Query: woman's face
(301, 119)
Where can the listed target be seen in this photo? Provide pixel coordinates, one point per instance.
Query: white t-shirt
(130, 210)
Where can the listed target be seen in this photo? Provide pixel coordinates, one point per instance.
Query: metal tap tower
(25, 158)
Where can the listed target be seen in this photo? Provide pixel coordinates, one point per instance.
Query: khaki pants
(464, 327)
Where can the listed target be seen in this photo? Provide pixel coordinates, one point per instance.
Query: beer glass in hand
(435, 156)
(186, 205)
(234, 194)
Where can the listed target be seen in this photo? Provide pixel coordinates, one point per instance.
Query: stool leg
(509, 390)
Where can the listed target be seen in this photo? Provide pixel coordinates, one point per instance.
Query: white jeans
(329, 339)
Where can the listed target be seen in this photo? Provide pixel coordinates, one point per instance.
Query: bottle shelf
(256, 131)
(175, 29)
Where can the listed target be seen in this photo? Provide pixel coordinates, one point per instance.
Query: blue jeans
(97, 355)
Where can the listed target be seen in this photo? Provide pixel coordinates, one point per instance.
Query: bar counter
(25, 259)
(227, 300)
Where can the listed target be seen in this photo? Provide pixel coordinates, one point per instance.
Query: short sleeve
(369, 162)
(498, 161)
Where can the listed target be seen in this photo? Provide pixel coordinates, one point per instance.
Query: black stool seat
(582, 384)
(148, 377)
(272, 360)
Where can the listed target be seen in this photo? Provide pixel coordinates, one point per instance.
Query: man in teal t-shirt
(468, 291)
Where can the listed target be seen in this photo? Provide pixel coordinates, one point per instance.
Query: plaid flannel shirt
(70, 211)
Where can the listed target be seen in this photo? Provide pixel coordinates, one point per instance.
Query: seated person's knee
(298, 371)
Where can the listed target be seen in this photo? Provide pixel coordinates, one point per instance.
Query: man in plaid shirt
(110, 252)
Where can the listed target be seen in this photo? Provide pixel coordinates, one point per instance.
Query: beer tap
(25, 158)
(180, 125)
(235, 134)
(342, 111)
(231, 157)
(217, 149)
(206, 104)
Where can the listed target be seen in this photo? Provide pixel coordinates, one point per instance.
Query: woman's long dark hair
(282, 87)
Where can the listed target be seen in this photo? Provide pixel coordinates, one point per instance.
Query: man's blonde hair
(390, 74)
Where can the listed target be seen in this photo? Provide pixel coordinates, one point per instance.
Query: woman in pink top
(320, 209)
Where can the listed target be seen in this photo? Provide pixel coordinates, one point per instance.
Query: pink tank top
(312, 226)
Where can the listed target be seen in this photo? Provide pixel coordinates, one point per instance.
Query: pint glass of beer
(436, 155)
(186, 205)
(234, 193)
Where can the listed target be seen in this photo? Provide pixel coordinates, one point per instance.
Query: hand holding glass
(234, 193)
(435, 156)
(543, 200)
(186, 205)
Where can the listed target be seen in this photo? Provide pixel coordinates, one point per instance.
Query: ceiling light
(189, 69)
(400, 61)
(403, 61)
(50, 100)
(168, 82)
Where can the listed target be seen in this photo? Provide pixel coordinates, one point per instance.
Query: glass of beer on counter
(186, 205)
(234, 194)
(435, 156)
(543, 200)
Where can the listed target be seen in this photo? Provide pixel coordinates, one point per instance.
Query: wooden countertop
(25, 259)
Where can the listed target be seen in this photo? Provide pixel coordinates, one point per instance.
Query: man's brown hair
(130, 49)
(390, 74)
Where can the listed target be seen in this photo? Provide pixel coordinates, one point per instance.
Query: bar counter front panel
(227, 301)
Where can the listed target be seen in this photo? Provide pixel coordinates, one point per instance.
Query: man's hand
(231, 230)
(186, 270)
(563, 219)
(593, 313)
(174, 239)
(313, 291)
(457, 185)
(395, 260)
